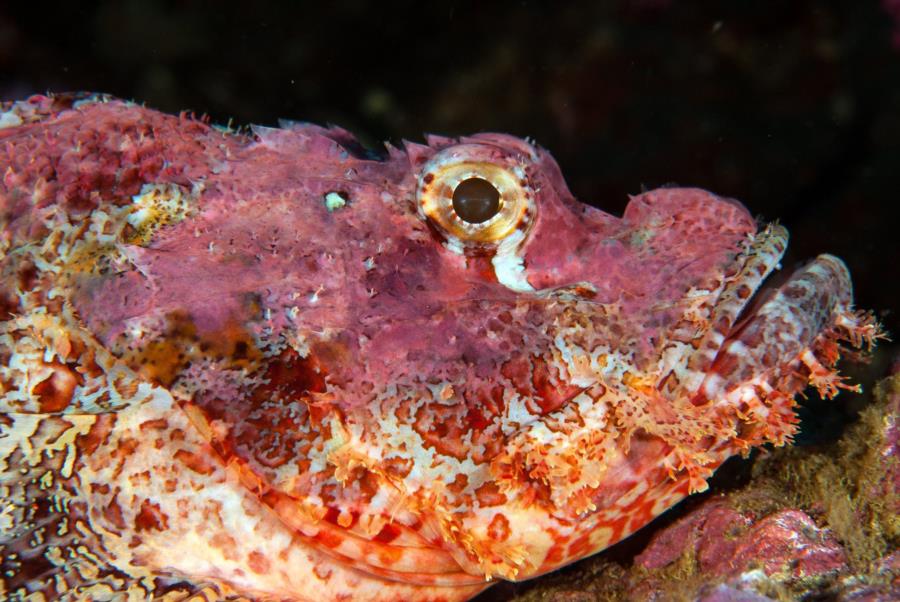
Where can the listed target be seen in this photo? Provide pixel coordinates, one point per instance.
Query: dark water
(791, 107)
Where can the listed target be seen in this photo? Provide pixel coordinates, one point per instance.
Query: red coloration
(548, 391)
(387, 534)
(150, 518)
(113, 512)
(498, 530)
(258, 563)
(194, 462)
(56, 391)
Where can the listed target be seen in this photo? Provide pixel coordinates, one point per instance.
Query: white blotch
(738, 349)
(517, 411)
(509, 267)
(9, 119)
(314, 298)
(334, 201)
(712, 387)
(454, 245)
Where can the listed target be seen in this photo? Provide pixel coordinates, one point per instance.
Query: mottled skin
(266, 366)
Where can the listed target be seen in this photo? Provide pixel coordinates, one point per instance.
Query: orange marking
(258, 562)
(387, 534)
(113, 513)
(56, 391)
(151, 518)
(580, 546)
(489, 495)
(498, 530)
(198, 464)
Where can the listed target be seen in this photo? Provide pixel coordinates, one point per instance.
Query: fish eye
(475, 198)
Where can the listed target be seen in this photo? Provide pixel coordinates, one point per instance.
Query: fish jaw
(643, 445)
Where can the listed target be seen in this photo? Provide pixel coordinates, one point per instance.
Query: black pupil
(476, 200)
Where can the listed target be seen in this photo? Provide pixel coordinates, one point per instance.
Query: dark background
(791, 107)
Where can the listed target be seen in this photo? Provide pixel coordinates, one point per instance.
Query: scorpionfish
(268, 364)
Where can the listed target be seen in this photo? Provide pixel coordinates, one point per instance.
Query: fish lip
(769, 287)
(775, 330)
(774, 240)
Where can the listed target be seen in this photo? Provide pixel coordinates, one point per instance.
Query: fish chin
(650, 447)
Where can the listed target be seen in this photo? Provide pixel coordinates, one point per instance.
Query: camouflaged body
(267, 365)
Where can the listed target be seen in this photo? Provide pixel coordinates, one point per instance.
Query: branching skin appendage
(267, 366)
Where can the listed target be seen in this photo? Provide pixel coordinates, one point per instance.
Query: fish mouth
(786, 316)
